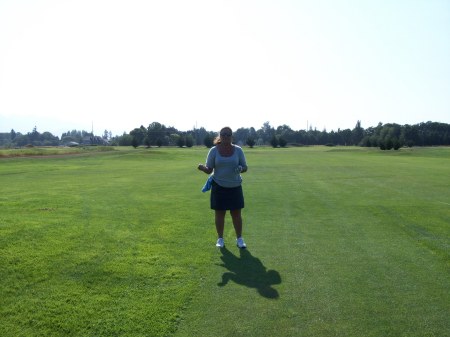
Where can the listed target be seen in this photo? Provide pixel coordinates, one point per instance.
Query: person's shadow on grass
(249, 271)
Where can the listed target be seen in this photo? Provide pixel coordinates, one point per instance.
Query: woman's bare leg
(237, 222)
(220, 222)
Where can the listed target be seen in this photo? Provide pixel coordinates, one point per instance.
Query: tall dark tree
(250, 142)
(208, 140)
(139, 135)
(156, 131)
(181, 141)
(266, 132)
(189, 140)
(274, 141)
(357, 133)
(134, 142)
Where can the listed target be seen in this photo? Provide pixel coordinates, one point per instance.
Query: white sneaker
(240, 243)
(220, 243)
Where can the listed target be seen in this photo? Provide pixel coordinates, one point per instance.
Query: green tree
(208, 141)
(189, 140)
(389, 143)
(282, 141)
(274, 141)
(251, 142)
(147, 142)
(106, 134)
(181, 141)
(134, 142)
(174, 137)
(285, 132)
(199, 135)
(156, 131)
(346, 137)
(266, 132)
(139, 135)
(240, 135)
(47, 139)
(124, 140)
(357, 133)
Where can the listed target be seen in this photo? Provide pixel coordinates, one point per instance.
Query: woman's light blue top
(226, 172)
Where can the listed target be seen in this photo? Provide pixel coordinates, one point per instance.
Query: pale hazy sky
(65, 64)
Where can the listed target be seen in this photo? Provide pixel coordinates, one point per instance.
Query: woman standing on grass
(227, 161)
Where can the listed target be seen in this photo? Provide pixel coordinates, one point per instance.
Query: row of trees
(384, 136)
(86, 138)
(35, 138)
(17, 139)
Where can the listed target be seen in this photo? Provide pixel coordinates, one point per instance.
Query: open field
(51, 151)
(342, 242)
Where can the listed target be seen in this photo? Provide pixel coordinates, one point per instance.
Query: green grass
(51, 151)
(342, 242)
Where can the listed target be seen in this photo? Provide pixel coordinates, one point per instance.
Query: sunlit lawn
(342, 242)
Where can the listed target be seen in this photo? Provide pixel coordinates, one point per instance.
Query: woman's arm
(242, 161)
(209, 167)
(206, 169)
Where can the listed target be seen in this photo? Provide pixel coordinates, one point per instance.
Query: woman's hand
(204, 168)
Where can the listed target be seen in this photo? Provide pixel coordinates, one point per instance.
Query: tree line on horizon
(385, 136)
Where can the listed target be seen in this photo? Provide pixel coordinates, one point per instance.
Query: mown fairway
(342, 242)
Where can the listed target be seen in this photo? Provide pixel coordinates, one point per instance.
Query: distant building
(94, 140)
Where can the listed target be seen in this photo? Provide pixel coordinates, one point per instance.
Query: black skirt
(223, 198)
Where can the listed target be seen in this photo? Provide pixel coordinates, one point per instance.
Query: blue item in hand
(208, 184)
